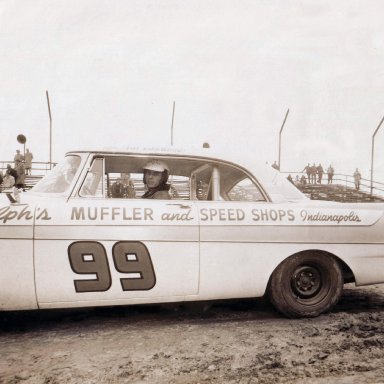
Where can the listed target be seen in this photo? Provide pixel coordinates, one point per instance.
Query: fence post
(372, 152)
(281, 130)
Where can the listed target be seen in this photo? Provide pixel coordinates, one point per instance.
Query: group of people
(15, 177)
(26, 159)
(315, 173)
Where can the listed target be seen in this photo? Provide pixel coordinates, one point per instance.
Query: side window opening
(189, 179)
(122, 177)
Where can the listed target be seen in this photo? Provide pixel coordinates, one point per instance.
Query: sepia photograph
(191, 192)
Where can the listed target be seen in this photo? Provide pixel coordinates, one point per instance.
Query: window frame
(205, 163)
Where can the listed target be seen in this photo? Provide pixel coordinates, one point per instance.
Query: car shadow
(361, 299)
(193, 312)
(353, 300)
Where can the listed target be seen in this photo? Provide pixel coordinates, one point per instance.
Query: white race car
(95, 232)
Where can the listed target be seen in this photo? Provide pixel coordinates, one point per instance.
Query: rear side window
(245, 190)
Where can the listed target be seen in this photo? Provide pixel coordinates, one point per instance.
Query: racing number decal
(90, 257)
(129, 257)
(133, 257)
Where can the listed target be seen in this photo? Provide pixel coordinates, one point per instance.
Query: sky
(113, 69)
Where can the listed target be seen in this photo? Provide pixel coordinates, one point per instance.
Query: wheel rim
(306, 282)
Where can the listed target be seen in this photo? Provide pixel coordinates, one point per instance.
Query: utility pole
(281, 130)
(373, 152)
(50, 131)
(173, 116)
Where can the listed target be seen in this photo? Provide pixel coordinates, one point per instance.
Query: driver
(155, 179)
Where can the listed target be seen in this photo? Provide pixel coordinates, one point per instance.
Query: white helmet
(156, 165)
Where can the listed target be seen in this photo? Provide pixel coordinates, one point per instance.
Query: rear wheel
(306, 285)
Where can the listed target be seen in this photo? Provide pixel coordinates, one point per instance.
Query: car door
(97, 250)
(235, 254)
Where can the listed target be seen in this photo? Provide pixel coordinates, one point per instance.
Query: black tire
(306, 285)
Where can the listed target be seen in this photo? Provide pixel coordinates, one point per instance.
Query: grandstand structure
(340, 193)
(342, 189)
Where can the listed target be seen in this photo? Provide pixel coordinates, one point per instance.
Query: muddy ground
(230, 342)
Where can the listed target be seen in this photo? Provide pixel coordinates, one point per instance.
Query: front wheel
(306, 285)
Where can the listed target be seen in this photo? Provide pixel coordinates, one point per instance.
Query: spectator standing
(8, 180)
(1, 177)
(313, 172)
(18, 156)
(330, 172)
(28, 162)
(19, 167)
(307, 170)
(320, 172)
(357, 177)
(289, 178)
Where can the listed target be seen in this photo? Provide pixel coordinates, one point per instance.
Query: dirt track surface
(238, 342)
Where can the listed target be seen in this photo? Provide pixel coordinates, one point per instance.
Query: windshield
(59, 179)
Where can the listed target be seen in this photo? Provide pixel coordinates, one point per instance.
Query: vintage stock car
(232, 229)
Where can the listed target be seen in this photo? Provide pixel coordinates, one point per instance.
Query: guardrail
(38, 170)
(347, 181)
(38, 167)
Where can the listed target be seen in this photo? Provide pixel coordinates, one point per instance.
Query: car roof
(239, 157)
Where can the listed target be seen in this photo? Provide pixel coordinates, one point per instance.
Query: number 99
(130, 257)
